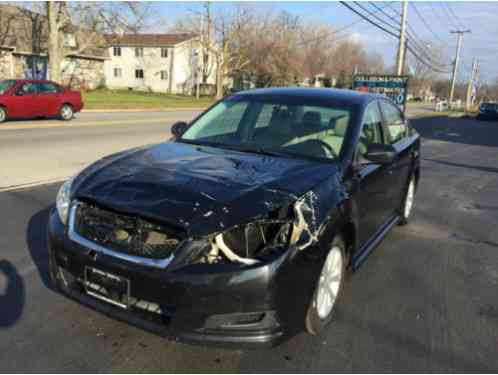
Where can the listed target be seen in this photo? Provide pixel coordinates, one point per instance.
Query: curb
(139, 110)
(32, 184)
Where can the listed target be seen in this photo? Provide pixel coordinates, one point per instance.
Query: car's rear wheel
(3, 114)
(328, 288)
(406, 209)
(66, 112)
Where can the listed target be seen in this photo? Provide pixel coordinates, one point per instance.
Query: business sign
(394, 87)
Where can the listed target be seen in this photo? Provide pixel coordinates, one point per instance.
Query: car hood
(202, 190)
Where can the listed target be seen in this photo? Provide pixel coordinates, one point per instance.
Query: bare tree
(77, 28)
(422, 76)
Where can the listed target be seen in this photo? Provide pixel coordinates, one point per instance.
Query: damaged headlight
(63, 200)
(245, 243)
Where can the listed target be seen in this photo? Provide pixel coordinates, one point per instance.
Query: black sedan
(241, 229)
(488, 111)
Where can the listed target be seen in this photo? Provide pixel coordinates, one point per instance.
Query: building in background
(167, 63)
(23, 50)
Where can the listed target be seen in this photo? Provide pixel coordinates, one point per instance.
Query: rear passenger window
(396, 127)
(47, 88)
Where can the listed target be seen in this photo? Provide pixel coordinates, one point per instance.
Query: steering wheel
(328, 148)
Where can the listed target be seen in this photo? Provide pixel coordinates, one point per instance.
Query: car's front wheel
(407, 207)
(328, 288)
(3, 114)
(66, 113)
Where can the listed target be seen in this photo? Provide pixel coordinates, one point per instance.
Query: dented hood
(199, 189)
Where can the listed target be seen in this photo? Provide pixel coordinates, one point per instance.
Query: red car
(35, 98)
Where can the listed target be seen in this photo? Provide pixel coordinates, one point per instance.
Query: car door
(374, 192)
(22, 102)
(48, 98)
(397, 133)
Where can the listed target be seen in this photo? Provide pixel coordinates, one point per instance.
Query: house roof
(147, 40)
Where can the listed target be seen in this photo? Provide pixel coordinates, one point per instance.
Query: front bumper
(225, 305)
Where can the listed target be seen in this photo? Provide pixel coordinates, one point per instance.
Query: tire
(66, 112)
(319, 312)
(3, 114)
(408, 201)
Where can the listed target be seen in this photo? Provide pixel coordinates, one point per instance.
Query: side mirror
(179, 128)
(380, 153)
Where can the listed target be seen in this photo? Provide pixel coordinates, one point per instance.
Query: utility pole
(457, 60)
(472, 85)
(402, 40)
(200, 60)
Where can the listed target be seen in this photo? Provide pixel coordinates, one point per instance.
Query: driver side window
(371, 129)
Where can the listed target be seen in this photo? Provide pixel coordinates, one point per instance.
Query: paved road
(425, 301)
(36, 151)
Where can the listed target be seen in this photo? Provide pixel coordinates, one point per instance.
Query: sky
(480, 17)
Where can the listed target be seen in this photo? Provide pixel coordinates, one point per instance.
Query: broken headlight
(246, 242)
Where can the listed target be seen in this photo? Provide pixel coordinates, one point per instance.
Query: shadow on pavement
(467, 131)
(469, 166)
(36, 239)
(12, 299)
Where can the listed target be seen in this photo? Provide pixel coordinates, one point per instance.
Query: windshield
(5, 85)
(489, 106)
(254, 124)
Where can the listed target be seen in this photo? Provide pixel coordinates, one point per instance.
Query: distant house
(23, 50)
(166, 63)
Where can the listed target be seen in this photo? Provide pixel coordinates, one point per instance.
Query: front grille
(125, 233)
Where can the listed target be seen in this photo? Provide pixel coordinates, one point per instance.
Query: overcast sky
(480, 17)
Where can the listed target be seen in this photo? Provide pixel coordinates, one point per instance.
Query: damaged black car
(240, 229)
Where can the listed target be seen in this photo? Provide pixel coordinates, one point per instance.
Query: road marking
(45, 125)
(32, 184)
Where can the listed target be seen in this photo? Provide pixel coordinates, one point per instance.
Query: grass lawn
(124, 99)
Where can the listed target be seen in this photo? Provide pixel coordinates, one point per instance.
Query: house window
(118, 73)
(69, 40)
(117, 51)
(139, 73)
(139, 52)
(164, 75)
(164, 53)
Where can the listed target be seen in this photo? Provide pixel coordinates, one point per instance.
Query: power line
(338, 31)
(408, 46)
(448, 15)
(457, 19)
(369, 20)
(425, 22)
(395, 28)
(417, 44)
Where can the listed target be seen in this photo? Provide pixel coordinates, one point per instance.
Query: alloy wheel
(410, 196)
(329, 283)
(66, 112)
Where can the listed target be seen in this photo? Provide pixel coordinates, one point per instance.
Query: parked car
(488, 111)
(34, 98)
(241, 228)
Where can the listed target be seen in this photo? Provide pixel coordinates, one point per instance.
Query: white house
(153, 62)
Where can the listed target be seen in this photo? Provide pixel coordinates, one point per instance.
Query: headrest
(341, 126)
(280, 121)
(312, 118)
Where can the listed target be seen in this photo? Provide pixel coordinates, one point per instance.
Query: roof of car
(32, 80)
(305, 92)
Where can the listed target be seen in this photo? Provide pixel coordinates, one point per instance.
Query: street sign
(394, 87)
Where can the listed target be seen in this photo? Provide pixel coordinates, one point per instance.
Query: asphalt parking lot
(425, 301)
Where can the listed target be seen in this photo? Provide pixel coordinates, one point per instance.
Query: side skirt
(374, 242)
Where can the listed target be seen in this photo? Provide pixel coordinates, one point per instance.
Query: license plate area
(107, 287)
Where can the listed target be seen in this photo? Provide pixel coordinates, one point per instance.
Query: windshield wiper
(256, 150)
